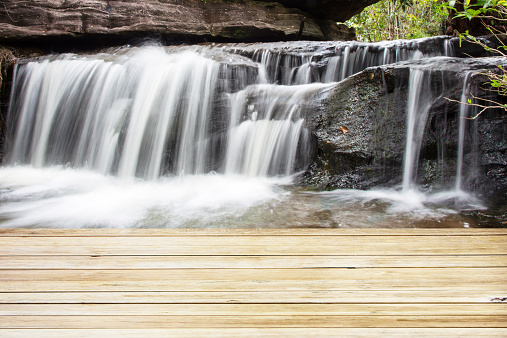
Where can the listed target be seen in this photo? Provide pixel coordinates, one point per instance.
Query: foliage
(402, 19)
(483, 9)
(493, 15)
(407, 19)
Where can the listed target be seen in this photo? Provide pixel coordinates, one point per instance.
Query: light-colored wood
(239, 283)
(140, 322)
(253, 279)
(55, 232)
(254, 309)
(130, 232)
(392, 296)
(256, 245)
(247, 262)
(257, 332)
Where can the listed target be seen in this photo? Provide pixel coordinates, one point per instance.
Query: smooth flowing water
(199, 137)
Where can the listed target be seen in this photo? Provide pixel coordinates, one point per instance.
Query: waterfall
(273, 136)
(306, 62)
(149, 113)
(185, 136)
(418, 105)
(417, 116)
(464, 113)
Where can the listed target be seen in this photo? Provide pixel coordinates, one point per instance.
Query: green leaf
(483, 3)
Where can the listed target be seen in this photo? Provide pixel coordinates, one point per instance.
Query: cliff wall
(59, 23)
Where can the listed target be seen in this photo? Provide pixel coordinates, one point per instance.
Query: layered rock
(339, 11)
(168, 20)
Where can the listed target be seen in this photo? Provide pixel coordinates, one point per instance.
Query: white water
(175, 138)
(149, 113)
(407, 198)
(64, 197)
(270, 140)
(142, 137)
(464, 114)
(342, 59)
(417, 116)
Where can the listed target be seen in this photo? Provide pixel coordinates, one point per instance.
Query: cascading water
(150, 113)
(408, 197)
(459, 196)
(293, 64)
(273, 137)
(417, 116)
(165, 116)
(464, 114)
(181, 136)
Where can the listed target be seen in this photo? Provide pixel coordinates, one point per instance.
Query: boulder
(360, 126)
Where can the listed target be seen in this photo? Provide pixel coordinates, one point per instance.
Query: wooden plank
(257, 332)
(351, 242)
(260, 297)
(254, 309)
(143, 322)
(253, 279)
(54, 232)
(247, 262)
(196, 283)
(256, 245)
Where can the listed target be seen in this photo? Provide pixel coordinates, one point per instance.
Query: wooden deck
(247, 283)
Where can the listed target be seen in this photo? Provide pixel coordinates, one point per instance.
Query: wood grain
(254, 282)
(392, 296)
(121, 232)
(256, 245)
(247, 262)
(139, 322)
(257, 332)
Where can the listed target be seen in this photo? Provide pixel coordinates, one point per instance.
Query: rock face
(171, 20)
(361, 126)
(339, 11)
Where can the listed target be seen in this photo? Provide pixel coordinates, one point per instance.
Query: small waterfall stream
(273, 136)
(184, 136)
(417, 115)
(464, 114)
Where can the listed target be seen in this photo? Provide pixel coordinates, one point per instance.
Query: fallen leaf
(344, 129)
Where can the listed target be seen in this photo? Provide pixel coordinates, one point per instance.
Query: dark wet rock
(339, 11)
(360, 127)
(8, 58)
